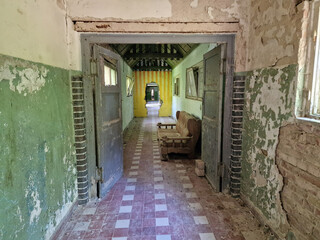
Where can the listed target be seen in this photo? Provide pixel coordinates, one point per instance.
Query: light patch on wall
(35, 213)
(125, 9)
(28, 80)
(233, 10)
(46, 148)
(57, 218)
(19, 214)
(210, 10)
(21, 226)
(194, 3)
(64, 159)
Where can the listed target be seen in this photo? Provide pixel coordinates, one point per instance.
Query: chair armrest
(165, 138)
(166, 125)
(175, 141)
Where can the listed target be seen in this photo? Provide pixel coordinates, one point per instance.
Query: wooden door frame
(89, 39)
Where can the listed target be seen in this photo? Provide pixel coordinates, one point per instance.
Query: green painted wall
(269, 105)
(37, 155)
(127, 102)
(181, 102)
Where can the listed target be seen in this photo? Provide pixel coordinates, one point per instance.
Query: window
(308, 88)
(176, 87)
(110, 76)
(194, 83)
(129, 85)
(315, 85)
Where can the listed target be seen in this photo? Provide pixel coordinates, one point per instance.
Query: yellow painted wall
(163, 79)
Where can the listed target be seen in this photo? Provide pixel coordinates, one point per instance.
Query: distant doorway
(153, 101)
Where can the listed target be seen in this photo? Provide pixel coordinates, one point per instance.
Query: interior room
(162, 120)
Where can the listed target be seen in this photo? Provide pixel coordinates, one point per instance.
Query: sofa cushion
(182, 124)
(168, 133)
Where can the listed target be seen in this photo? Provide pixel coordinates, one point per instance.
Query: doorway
(88, 40)
(153, 100)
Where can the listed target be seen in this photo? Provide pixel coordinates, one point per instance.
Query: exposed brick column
(80, 139)
(236, 134)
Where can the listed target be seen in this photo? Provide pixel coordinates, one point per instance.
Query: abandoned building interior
(84, 84)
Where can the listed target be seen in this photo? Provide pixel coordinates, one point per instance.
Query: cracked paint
(35, 213)
(28, 80)
(57, 218)
(269, 105)
(275, 30)
(38, 182)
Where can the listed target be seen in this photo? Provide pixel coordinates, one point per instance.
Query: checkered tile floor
(157, 200)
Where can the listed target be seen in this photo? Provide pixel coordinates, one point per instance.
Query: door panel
(213, 114)
(108, 122)
(112, 111)
(209, 99)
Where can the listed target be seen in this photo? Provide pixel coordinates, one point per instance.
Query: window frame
(129, 88)
(112, 68)
(314, 83)
(309, 80)
(199, 83)
(176, 86)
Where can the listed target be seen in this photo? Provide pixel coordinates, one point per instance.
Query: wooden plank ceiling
(153, 57)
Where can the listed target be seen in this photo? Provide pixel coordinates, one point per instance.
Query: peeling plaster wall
(37, 156)
(274, 176)
(275, 31)
(269, 105)
(39, 52)
(169, 11)
(39, 31)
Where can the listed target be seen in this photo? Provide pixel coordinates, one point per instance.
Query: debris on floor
(157, 200)
(200, 168)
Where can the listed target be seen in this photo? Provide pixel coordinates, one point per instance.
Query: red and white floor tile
(157, 200)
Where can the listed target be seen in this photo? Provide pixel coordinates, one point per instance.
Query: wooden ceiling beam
(151, 68)
(152, 55)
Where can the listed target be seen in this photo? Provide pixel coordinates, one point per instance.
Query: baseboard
(66, 218)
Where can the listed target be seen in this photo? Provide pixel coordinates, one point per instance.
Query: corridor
(157, 200)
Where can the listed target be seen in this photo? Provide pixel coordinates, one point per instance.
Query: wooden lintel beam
(163, 27)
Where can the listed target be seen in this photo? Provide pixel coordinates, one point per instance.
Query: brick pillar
(236, 134)
(80, 139)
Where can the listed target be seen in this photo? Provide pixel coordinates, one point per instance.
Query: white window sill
(310, 120)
